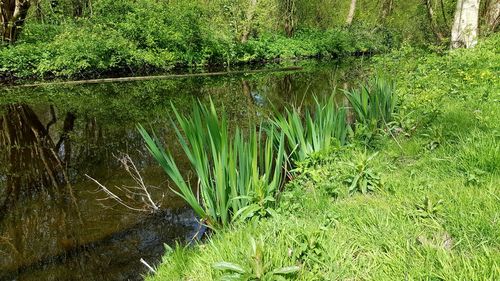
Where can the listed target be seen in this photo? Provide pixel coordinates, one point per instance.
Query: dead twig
(131, 192)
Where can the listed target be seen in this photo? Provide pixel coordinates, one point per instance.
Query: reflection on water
(54, 224)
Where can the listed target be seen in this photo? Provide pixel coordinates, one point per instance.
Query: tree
(352, 10)
(464, 30)
(387, 7)
(249, 20)
(80, 6)
(492, 14)
(432, 20)
(12, 15)
(289, 10)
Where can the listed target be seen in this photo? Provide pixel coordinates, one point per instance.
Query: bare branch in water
(131, 192)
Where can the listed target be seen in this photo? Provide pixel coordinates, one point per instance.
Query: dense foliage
(383, 181)
(91, 38)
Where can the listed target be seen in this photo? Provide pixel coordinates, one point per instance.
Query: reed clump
(238, 176)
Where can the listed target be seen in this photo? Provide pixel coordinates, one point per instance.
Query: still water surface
(56, 224)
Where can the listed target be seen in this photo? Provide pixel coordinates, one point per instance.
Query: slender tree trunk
(38, 10)
(492, 15)
(464, 30)
(387, 6)
(432, 20)
(77, 8)
(289, 10)
(12, 16)
(352, 10)
(443, 11)
(80, 7)
(247, 29)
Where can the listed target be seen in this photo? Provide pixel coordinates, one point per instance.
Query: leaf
(246, 212)
(228, 266)
(231, 277)
(168, 249)
(287, 270)
(271, 212)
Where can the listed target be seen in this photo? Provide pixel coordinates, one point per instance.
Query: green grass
(435, 215)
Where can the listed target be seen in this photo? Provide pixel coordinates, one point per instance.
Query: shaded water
(54, 223)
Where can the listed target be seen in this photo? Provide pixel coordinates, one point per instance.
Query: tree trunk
(12, 15)
(352, 10)
(464, 30)
(77, 8)
(34, 163)
(432, 21)
(81, 7)
(289, 11)
(492, 16)
(443, 12)
(38, 10)
(247, 29)
(387, 6)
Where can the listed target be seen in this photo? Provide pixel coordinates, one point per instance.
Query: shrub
(84, 50)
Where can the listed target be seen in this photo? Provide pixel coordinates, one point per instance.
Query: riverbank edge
(160, 77)
(9, 79)
(386, 234)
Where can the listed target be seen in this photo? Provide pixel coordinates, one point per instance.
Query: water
(57, 224)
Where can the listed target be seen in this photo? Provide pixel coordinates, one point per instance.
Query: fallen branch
(130, 191)
(158, 77)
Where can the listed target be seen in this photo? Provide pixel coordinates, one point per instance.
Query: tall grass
(374, 102)
(238, 176)
(316, 130)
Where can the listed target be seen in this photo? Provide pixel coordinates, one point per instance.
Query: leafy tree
(13, 15)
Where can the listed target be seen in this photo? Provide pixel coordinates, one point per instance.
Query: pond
(58, 224)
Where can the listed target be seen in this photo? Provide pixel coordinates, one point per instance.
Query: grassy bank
(432, 215)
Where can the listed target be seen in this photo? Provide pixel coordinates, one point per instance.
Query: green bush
(21, 60)
(84, 50)
(144, 36)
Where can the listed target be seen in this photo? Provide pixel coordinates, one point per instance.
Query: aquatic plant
(374, 102)
(317, 130)
(237, 176)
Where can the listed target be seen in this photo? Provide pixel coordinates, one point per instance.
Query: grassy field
(433, 213)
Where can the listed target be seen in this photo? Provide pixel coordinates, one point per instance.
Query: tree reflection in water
(36, 198)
